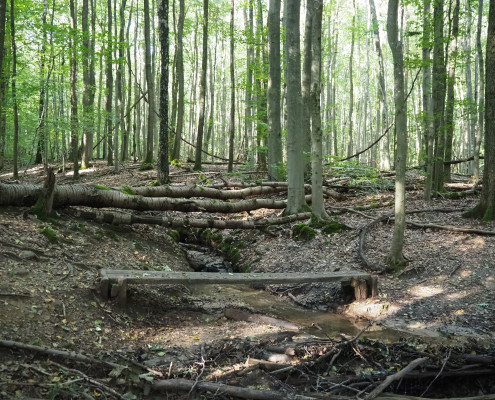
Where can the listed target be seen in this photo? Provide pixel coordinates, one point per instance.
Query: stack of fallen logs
(284, 366)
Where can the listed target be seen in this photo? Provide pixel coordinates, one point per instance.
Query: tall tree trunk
(14, 90)
(163, 167)
(248, 123)
(428, 115)
(109, 85)
(88, 88)
(382, 113)
(180, 79)
(274, 86)
(74, 123)
(211, 118)
(438, 93)
(350, 142)
(295, 165)
(450, 105)
(481, 103)
(471, 124)
(485, 209)
(202, 90)
(126, 137)
(120, 88)
(3, 13)
(41, 150)
(395, 257)
(261, 95)
(150, 84)
(317, 202)
(306, 88)
(232, 92)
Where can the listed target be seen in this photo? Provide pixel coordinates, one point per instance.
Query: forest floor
(444, 299)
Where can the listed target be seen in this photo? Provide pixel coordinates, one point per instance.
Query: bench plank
(113, 283)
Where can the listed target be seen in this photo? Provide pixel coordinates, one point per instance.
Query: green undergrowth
(49, 233)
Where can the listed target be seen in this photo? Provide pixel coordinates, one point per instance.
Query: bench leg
(360, 289)
(119, 290)
(104, 288)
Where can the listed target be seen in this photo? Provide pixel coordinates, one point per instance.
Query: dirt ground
(47, 297)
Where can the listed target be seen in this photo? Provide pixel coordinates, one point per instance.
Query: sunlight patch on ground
(425, 291)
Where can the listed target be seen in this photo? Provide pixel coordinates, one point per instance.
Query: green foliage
(127, 190)
(281, 171)
(303, 232)
(146, 166)
(80, 226)
(333, 227)
(101, 187)
(155, 183)
(49, 233)
(175, 235)
(176, 163)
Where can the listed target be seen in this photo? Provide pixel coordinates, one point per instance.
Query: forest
(336, 159)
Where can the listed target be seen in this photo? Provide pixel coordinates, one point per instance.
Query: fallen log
(117, 218)
(100, 197)
(221, 389)
(392, 378)
(56, 353)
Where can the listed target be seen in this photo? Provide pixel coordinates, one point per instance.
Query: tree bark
(150, 85)
(232, 92)
(87, 95)
(306, 88)
(274, 87)
(295, 164)
(74, 123)
(163, 164)
(109, 85)
(317, 203)
(350, 143)
(14, 90)
(438, 93)
(180, 79)
(41, 150)
(395, 257)
(3, 13)
(485, 209)
(450, 103)
(428, 116)
(481, 105)
(202, 90)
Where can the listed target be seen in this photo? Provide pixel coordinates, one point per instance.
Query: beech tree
(485, 209)
(395, 257)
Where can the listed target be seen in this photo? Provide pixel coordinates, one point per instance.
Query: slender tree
(428, 115)
(395, 257)
(485, 209)
(306, 86)
(163, 167)
(14, 90)
(202, 90)
(74, 122)
(3, 13)
(88, 94)
(274, 88)
(109, 86)
(481, 102)
(180, 79)
(450, 105)
(232, 91)
(150, 84)
(295, 165)
(350, 143)
(317, 202)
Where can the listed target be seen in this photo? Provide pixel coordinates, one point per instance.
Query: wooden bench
(113, 283)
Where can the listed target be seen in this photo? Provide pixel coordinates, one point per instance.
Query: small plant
(333, 227)
(81, 227)
(146, 166)
(175, 235)
(281, 171)
(176, 163)
(101, 187)
(49, 233)
(303, 232)
(126, 189)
